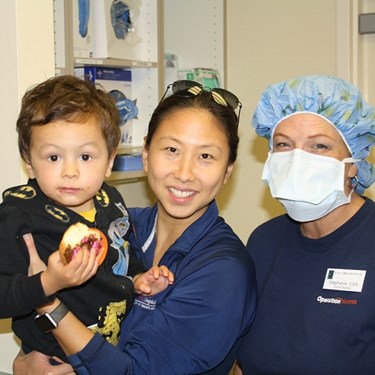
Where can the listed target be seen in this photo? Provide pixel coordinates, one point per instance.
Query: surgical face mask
(309, 186)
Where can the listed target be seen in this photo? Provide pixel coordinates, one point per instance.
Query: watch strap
(59, 312)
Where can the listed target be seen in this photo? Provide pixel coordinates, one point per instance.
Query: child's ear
(110, 164)
(30, 170)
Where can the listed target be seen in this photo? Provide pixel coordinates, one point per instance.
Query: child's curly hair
(71, 99)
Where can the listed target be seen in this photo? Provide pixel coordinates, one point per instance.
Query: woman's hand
(36, 363)
(155, 280)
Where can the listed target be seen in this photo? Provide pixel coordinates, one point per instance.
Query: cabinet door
(194, 32)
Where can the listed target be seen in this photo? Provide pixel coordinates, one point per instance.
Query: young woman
(195, 325)
(315, 266)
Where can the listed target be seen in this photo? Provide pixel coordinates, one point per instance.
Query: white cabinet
(140, 51)
(194, 30)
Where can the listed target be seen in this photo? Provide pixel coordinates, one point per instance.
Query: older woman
(315, 266)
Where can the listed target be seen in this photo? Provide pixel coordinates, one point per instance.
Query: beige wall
(367, 52)
(26, 42)
(269, 41)
(27, 51)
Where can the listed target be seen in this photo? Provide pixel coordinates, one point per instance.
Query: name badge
(345, 280)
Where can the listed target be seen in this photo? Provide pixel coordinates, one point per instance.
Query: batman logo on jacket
(57, 213)
(102, 198)
(23, 192)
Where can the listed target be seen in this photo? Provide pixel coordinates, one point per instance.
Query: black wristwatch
(46, 322)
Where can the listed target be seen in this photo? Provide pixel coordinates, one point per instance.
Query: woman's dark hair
(224, 115)
(71, 99)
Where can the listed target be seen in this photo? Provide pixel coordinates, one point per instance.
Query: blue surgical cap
(334, 99)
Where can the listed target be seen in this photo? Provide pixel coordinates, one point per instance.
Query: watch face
(45, 323)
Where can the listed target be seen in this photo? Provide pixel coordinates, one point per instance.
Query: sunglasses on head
(188, 88)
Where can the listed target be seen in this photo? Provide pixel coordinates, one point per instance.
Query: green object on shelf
(207, 77)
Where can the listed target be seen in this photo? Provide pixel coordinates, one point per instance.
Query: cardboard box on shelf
(118, 82)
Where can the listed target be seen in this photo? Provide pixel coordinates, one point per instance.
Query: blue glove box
(126, 163)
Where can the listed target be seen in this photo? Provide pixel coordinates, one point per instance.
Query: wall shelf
(129, 150)
(113, 63)
(124, 177)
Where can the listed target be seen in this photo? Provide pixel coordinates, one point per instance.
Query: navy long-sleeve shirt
(196, 324)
